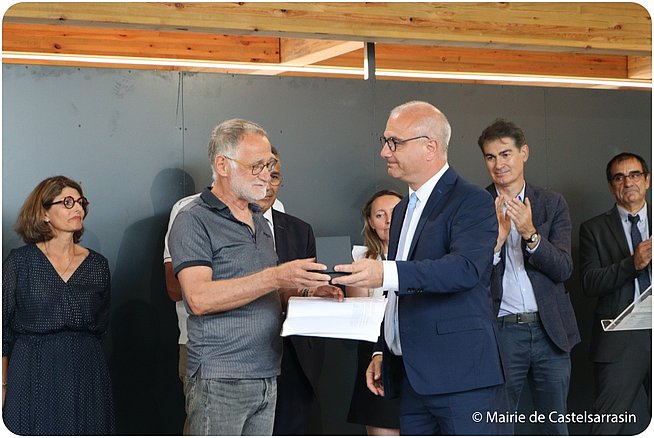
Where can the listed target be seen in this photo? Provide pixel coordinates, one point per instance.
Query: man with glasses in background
(223, 256)
(302, 358)
(616, 267)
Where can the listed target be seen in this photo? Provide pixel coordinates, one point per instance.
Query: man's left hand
(520, 214)
(366, 273)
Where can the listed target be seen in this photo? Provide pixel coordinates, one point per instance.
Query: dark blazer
(548, 267)
(294, 239)
(448, 334)
(608, 273)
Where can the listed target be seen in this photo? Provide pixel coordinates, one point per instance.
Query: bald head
(415, 142)
(426, 119)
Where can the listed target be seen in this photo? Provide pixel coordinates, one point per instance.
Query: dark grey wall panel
(321, 128)
(137, 141)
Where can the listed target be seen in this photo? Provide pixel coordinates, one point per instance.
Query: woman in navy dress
(55, 306)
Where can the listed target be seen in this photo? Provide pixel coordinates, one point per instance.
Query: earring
(47, 220)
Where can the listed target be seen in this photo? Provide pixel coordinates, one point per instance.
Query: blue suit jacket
(548, 267)
(447, 331)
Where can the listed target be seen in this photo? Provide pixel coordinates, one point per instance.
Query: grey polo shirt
(242, 343)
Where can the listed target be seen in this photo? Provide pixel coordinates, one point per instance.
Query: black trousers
(617, 385)
(294, 396)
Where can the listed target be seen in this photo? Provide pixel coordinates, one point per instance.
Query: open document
(637, 316)
(353, 318)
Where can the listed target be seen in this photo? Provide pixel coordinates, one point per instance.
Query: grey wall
(137, 142)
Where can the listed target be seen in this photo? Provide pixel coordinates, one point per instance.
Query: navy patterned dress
(58, 382)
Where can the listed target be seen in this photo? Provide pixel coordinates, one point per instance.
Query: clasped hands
(643, 254)
(516, 211)
(305, 273)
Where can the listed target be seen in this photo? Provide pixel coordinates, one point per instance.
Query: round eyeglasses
(258, 167)
(392, 142)
(69, 202)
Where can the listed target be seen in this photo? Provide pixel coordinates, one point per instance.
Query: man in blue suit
(438, 343)
(536, 321)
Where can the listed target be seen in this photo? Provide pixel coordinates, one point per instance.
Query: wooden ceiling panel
(610, 41)
(453, 59)
(607, 27)
(82, 40)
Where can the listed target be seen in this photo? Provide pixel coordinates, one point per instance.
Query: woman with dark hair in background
(381, 417)
(55, 308)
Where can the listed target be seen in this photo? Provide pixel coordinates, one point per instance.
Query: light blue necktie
(391, 324)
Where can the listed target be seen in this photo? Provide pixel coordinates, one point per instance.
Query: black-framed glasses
(258, 167)
(619, 178)
(69, 202)
(275, 179)
(392, 142)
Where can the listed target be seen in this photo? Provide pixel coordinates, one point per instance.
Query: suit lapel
(537, 210)
(437, 200)
(396, 227)
(617, 230)
(279, 224)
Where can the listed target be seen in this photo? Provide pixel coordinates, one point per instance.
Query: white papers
(353, 318)
(637, 316)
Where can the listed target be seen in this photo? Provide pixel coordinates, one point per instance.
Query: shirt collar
(268, 215)
(520, 196)
(424, 191)
(213, 201)
(624, 214)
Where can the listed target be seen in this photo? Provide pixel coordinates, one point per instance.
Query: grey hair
(225, 139)
(431, 121)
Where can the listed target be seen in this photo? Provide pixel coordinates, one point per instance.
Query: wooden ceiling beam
(591, 27)
(304, 52)
(466, 60)
(639, 67)
(301, 52)
(81, 40)
(72, 40)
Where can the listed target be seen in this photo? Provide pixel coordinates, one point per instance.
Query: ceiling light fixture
(533, 79)
(92, 59)
(347, 71)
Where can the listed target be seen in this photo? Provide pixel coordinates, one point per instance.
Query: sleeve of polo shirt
(189, 243)
(173, 214)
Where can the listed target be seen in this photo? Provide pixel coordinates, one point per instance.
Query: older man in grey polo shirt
(223, 255)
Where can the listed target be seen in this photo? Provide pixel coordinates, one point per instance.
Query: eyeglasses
(393, 142)
(275, 179)
(69, 202)
(619, 178)
(257, 168)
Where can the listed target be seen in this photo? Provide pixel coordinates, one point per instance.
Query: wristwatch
(533, 238)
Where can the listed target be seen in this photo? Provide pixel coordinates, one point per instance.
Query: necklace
(70, 262)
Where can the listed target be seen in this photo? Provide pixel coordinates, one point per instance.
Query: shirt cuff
(532, 250)
(391, 281)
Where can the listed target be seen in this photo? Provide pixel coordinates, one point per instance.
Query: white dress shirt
(391, 280)
(643, 227)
